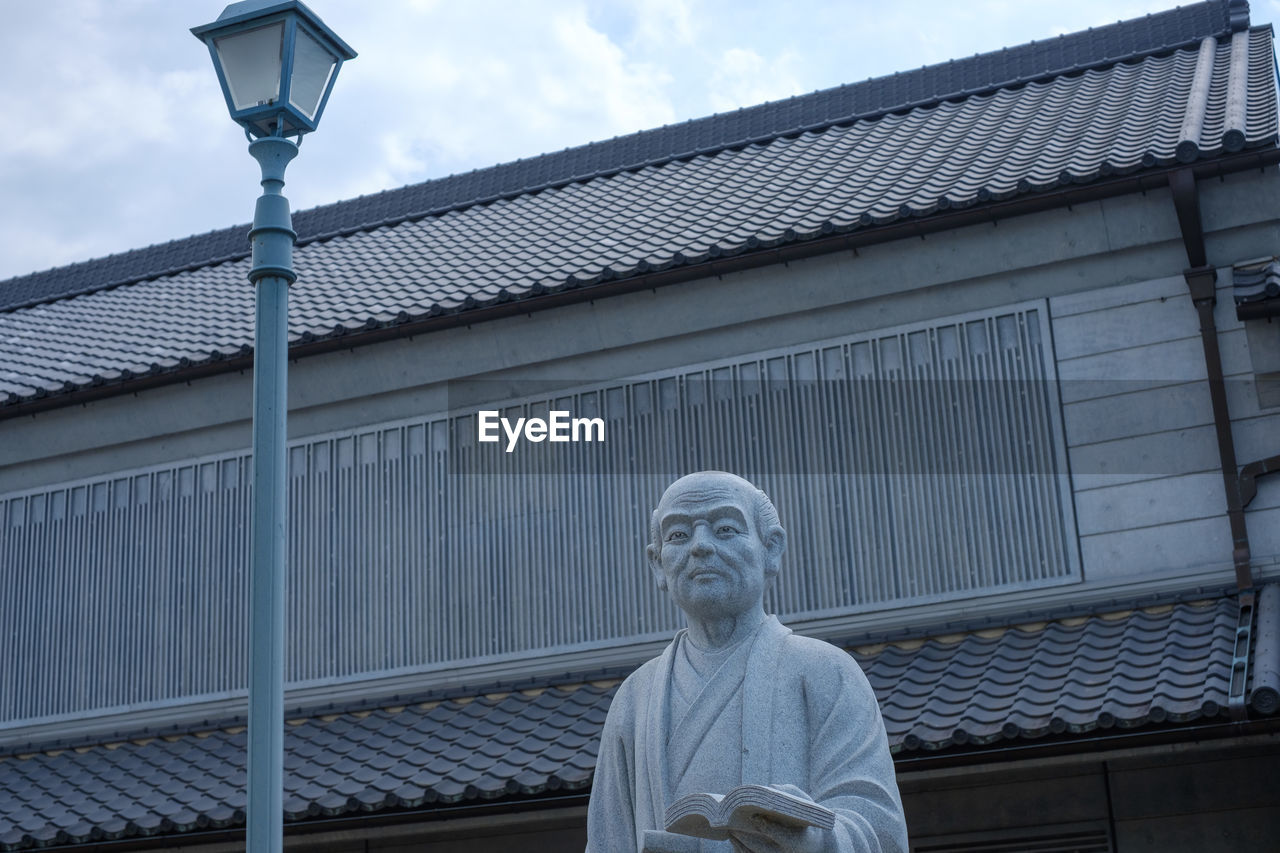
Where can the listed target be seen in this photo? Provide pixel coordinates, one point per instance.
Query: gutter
(713, 264)
(1239, 484)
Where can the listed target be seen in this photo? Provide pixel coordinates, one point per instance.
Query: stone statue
(737, 698)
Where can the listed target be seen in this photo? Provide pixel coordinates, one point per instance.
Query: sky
(116, 135)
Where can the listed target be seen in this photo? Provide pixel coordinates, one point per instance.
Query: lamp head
(276, 61)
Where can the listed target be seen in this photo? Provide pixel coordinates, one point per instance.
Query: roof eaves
(789, 245)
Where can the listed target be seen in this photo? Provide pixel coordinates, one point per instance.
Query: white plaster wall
(1140, 433)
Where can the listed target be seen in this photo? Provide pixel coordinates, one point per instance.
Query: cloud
(743, 77)
(114, 107)
(125, 141)
(664, 21)
(435, 104)
(595, 78)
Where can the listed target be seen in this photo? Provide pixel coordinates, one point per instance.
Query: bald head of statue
(716, 545)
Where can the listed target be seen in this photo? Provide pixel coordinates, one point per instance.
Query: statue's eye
(677, 535)
(727, 530)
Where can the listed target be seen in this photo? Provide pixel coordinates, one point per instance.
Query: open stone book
(713, 816)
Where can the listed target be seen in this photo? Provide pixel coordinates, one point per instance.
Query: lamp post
(276, 62)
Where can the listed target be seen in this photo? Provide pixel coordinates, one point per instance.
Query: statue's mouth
(707, 572)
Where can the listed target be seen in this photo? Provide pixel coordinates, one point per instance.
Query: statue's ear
(775, 545)
(655, 565)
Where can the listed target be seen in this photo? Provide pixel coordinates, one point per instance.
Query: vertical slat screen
(911, 466)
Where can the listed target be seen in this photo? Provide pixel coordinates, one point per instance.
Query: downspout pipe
(1201, 280)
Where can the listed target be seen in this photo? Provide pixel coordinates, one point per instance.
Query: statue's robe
(779, 709)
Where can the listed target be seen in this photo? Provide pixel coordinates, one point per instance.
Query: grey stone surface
(737, 698)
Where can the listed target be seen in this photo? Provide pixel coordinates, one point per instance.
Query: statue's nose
(702, 544)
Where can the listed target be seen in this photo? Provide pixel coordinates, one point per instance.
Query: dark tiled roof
(1041, 60)
(1124, 669)
(436, 753)
(962, 153)
(1160, 665)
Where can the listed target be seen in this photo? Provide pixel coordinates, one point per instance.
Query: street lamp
(276, 62)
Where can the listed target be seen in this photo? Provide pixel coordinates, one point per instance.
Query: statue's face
(711, 558)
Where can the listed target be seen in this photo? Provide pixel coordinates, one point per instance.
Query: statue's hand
(767, 836)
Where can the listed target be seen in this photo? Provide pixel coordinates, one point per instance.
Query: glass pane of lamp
(312, 67)
(251, 64)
